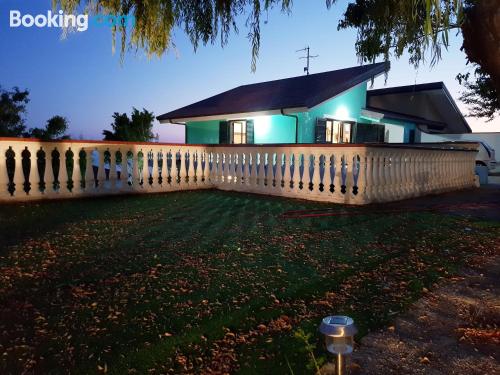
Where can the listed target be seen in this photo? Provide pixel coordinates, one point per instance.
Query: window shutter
(354, 133)
(223, 132)
(250, 132)
(381, 133)
(320, 131)
(411, 136)
(369, 133)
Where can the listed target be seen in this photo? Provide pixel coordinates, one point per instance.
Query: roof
(408, 88)
(430, 103)
(409, 118)
(290, 93)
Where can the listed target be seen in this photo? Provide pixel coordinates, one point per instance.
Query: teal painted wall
(267, 129)
(346, 106)
(274, 129)
(202, 132)
(409, 126)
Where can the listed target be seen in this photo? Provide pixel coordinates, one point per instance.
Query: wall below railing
(352, 174)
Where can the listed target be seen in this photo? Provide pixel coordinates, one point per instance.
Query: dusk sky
(81, 79)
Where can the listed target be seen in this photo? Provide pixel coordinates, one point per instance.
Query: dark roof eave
(406, 89)
(167, 118)
(404, 117)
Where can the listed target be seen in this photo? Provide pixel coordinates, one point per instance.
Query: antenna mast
(308, 57)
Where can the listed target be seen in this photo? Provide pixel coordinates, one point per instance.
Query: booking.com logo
(79, 22)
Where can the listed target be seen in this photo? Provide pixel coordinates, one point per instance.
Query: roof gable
(297, 92)
(430, 101)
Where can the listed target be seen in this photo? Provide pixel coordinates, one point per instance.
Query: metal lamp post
(339, 334)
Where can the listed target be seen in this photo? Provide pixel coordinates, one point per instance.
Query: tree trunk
(481, 32)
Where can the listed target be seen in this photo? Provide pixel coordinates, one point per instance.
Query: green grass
(206, 280)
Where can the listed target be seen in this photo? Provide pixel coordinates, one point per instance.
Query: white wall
(394, 133)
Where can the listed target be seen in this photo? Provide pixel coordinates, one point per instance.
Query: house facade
(332, 107)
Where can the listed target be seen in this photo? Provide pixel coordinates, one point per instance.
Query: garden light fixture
(339, 334)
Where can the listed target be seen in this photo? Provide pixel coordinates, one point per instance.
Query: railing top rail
(353, 145)
(37, 140)
(422, 146)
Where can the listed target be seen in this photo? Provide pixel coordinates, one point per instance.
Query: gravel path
(455, 329)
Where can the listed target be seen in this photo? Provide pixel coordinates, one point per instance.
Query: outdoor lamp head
(339, 333)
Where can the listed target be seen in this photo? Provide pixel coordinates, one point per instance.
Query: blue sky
(79, 77)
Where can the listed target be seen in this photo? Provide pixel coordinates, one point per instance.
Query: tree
(204, 21)
(481, 31)
(480, 95)
(121, 126)
(54, 129)
(418, 26)
(137, 128)
(38, 133)
(12, 111)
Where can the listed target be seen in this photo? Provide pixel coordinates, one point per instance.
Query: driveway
(480, 203)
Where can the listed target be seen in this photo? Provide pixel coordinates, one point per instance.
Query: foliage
(394, 27)
(382, 24)
(480, 94)
(203, 21)
(12, 111)
(12, 122)
(137, 128)
(397, 26)
(309, 348)
(208, 281)
(54, 129)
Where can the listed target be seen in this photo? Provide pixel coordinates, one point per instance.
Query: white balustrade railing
(64, 169)
(352, 174)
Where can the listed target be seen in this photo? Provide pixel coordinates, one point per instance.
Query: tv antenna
(308, 57)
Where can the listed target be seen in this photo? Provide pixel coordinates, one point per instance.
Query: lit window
(338, 131)
(239, 132)
(346, 132)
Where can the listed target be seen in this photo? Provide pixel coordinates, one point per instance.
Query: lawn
(209, 280)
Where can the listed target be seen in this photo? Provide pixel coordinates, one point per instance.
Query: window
(239, 132)
(338, 131)
(346, 132)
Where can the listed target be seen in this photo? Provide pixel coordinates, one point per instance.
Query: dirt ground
(455, 328)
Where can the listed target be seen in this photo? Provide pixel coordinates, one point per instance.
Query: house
(329, 107)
